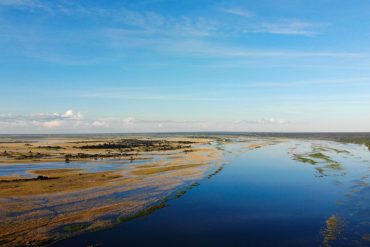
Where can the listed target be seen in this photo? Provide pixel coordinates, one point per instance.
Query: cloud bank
(76, 122)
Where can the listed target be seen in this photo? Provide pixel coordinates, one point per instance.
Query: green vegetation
(320, 156)
(303, 159)
(340, 151)
(358, 139)
(162, 204)
(147, 145)
(180, 193)
(335, 166)
(326, 149)
(331, 163)
(319, 149)
(142, 213)
(320, 170)
(312, 158)
(195, 184)
(75, 227)
(215, 172)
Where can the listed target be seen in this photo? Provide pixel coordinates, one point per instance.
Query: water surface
(262, 197)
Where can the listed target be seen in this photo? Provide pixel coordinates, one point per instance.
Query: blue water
(261, 198)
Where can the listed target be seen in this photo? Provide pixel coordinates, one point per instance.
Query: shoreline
(64, 202)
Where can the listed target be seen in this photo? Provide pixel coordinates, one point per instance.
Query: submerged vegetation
(303, 159)
(332, 230)
(168, 170)
(320, 156)
(317, 158)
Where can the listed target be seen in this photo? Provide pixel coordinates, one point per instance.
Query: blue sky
(166, 65)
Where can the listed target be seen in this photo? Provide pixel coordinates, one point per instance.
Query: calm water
(91, 166)
(261, 198)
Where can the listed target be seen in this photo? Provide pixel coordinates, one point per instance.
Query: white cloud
(100, 124)
(41, 120)
(129, 121)
(122, 29)
(69, 114)
(286, 27)
(264, 121)
(69, 123)
(10, 124)
(29, 3)
(237, 11)
(52, 124)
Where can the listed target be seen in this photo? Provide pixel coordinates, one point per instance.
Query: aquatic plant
(321, 156)
(301, 158)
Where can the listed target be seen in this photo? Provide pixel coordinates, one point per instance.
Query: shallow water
(90, 166)
(262, 197)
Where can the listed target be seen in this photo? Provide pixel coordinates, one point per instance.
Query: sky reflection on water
(262, 197)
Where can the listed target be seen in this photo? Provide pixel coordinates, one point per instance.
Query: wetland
(185, 190)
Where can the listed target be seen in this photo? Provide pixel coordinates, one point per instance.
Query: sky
(191, 65)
